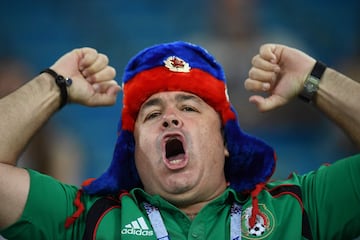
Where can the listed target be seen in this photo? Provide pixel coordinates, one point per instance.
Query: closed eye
(189, 109)
(152, 115)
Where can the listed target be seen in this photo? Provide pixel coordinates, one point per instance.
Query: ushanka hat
(181, 66)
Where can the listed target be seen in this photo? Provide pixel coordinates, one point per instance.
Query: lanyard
(162, 234)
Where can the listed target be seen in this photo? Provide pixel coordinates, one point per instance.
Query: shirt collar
(228, 196)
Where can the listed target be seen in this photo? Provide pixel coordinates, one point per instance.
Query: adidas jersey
(330, 197)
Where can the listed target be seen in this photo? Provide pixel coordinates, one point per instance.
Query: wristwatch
(311, 84)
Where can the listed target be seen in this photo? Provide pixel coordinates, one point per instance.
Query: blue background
(40, 31)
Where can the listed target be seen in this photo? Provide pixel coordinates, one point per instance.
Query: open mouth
(174, 152)
(174, 149)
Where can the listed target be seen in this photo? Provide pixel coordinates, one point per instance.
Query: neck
(192, 210)
(191, 216)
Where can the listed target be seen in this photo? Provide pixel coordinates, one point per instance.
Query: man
(182, 167)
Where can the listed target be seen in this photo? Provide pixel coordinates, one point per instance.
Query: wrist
(62, 85)
(312, 81)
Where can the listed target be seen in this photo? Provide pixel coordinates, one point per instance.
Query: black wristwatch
(311, 84)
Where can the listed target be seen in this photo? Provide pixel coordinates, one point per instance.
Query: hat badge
(176, 64)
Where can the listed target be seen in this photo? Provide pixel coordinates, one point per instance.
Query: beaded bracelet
(62, 83)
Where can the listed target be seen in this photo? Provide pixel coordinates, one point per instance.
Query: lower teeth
(175, 161)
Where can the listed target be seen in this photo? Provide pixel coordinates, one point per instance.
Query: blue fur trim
(154, 56)
(122, 173)
(251, 160)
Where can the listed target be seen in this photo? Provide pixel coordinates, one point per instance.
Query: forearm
(339, 98)
(23, 113)
(281, 71)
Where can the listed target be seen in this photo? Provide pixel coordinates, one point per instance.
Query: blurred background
(78, 141)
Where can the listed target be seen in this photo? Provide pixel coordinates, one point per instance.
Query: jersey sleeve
(48, 205)
(332, 199)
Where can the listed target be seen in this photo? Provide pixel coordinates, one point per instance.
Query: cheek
(143, 147)
(142, 141)
(146, 151)
(211, 134)
(212, 143)
(142, 161)
(140, 149)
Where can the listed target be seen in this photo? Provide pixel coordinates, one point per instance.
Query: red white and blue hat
(182, 66)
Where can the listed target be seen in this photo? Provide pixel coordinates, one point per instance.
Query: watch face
(311, 84)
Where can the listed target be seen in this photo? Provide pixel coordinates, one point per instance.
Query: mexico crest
(263, 227)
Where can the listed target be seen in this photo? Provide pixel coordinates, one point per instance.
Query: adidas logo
(138, 228)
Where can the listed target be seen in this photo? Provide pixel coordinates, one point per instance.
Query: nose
(171, 121)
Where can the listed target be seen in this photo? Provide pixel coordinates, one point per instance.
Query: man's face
(180, 150)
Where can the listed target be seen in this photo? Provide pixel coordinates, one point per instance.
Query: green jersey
(328, 200)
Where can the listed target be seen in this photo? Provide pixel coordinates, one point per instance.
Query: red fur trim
(80, 208)
(149, 82)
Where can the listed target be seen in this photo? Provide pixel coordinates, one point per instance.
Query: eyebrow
(151, 102)
(181, 97)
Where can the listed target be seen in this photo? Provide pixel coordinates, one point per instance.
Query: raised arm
(28, 108)
(281, 72)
